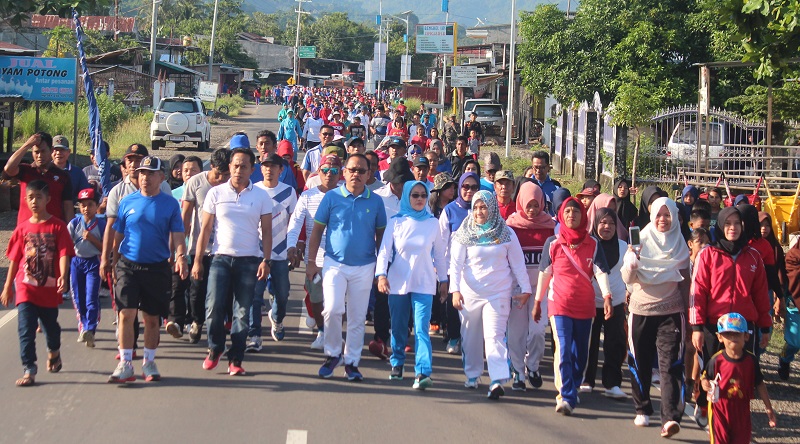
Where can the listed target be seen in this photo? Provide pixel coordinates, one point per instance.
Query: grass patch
(412, 104)
(134, 130)
(234, 103)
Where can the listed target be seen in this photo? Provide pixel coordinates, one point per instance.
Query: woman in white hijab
(484, 255)
(658, 278)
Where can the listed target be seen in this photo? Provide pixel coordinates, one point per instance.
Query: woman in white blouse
(410, 261)
(483, 256)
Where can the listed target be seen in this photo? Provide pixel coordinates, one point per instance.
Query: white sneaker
(564, 408)
(615, 393)
(641, 421)
(319, 343)
(585, 388)
(670, 429)
(310, 322)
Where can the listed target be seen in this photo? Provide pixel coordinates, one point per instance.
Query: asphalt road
(281, 399)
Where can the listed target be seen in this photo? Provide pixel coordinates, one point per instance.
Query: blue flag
(95, 132)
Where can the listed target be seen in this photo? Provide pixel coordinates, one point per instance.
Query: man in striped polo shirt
(284, 199)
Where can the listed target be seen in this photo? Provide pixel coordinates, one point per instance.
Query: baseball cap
(422, 161)
(285, 148)
(87, 194)
(492, 162)
(396, 141)
(503, 174)
(239, 141)
(273, 158)
(332, 160)
(441, 180)
(60, 142)
(732, 322)
(333, 149)
(135, 150)
(150, 163)
(584, 193)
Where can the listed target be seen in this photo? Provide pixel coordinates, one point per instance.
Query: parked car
(180, 120)
(682, 145)
(492, 117)
(469, 106)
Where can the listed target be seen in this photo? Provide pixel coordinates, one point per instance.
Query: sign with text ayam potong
(38, 78)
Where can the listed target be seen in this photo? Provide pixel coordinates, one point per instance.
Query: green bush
(136, 129)
(412, 104)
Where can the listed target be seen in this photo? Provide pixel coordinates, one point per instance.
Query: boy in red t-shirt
(39, 251)
(737, 377)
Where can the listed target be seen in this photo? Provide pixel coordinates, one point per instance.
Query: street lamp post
(211, 47)
(404, 75)
(511, 78)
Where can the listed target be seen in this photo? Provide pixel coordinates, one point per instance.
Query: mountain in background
(468, 13)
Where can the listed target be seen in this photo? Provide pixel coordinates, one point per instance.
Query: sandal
(26, 380)
(54, 364)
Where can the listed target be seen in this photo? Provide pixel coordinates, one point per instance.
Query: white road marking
(8, 317)
(296, 436)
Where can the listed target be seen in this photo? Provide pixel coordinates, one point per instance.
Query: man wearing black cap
(148, 232)
(397, 175)
(61, 159)
(397, 152)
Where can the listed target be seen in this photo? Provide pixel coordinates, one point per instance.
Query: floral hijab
(493, 231)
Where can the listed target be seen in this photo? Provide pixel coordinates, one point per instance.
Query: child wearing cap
(732, 378)
(86, 231)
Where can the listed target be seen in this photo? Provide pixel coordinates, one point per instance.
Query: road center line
(8, 317)
(296, 436)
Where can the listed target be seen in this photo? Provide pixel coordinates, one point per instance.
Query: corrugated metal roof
(93, 22)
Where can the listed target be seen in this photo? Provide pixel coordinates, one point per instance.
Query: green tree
(17, 11)
(768, 32)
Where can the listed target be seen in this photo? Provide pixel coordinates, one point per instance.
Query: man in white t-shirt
(239, 214)
(284, 200)
(378, 126)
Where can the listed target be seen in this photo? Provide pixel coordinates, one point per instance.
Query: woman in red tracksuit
(729, 276)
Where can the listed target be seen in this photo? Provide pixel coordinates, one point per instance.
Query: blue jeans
(279, 280)
(571, 355)
(400, 306)
(227, 275)
(85, 283)
(28, 318)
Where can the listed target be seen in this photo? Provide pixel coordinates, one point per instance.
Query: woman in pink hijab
(605, 201)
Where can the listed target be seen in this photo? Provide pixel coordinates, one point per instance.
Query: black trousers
(197, 294)
(660, 336)
(381, 320)
(178, 301)
(614, 348)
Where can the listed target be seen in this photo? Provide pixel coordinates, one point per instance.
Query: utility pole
(153, 28)
(299, 12)
(511, 78)
(211, 47)
(380, 45)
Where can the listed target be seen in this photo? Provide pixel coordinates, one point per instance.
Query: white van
(683, 143)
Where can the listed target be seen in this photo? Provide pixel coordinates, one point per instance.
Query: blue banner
(95, 130)
(38, 78)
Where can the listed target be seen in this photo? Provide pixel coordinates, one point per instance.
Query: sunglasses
(415, 151)
(331, 170)
(326, 134)
(466, 187)
(419, 196)
(357, 170)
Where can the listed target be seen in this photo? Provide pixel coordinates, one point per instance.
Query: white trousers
(483, 329)
(526, 338)
(345, 287)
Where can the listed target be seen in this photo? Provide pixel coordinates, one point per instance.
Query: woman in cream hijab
(658, 279)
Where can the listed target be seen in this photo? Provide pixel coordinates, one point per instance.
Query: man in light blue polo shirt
(355, 219)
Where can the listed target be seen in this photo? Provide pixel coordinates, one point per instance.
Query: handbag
(791, 331)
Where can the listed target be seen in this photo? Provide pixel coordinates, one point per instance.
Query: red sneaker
(235, 368)
(211, 360)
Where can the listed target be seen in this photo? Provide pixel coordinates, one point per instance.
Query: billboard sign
(38, 78)
(436, 38)
(463, 76)
(207, 92)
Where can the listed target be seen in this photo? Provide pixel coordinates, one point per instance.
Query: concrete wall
(269, 56)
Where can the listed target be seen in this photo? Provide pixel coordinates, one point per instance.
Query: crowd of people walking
(412, 238)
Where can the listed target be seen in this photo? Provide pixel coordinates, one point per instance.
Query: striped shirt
(284, 199)
(303, 215)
